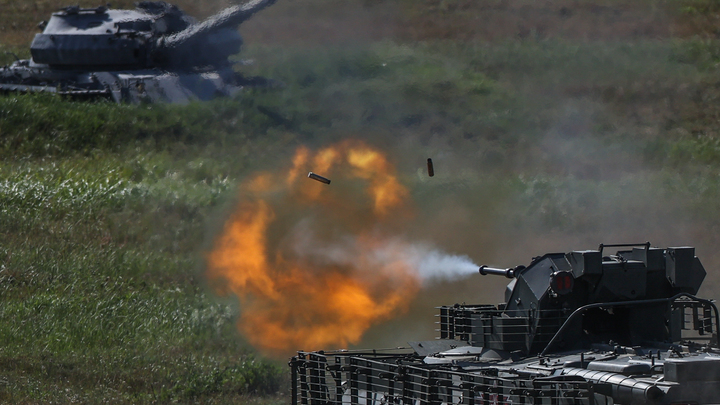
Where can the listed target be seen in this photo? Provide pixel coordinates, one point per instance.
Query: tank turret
(583, 327)
(155, 52)
(542, 296)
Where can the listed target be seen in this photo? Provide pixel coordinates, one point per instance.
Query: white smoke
(429, 263)
(433, 265)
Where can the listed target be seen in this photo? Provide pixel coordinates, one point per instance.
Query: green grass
(98, 299)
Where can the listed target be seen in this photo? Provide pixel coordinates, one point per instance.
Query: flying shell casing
(431, 169)
(319, 178)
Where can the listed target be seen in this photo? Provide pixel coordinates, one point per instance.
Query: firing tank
(153, 53)
(583, 327)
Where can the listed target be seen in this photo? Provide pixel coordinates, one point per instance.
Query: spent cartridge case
(319, 178)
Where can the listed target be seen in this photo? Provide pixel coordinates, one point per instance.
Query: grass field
(553, 126)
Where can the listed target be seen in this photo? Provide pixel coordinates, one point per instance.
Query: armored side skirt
(374, 379)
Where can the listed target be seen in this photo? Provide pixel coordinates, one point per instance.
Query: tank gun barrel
(210, 41)
(230, 17)
(509, 273)
(618, 386)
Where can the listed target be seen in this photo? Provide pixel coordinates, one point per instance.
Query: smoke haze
(563, 150)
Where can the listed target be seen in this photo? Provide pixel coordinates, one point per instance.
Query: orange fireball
(308, 261)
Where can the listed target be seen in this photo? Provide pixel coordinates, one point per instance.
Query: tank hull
(130, 86)
(404, 378)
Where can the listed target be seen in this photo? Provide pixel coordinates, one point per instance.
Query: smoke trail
(427, 262)
(433, 264)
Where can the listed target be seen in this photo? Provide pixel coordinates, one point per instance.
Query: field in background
(553, 125)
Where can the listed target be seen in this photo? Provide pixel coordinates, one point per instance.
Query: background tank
(152, 53)
(575, 328)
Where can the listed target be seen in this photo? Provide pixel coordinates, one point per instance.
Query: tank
(153, 53)
(583, 327)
